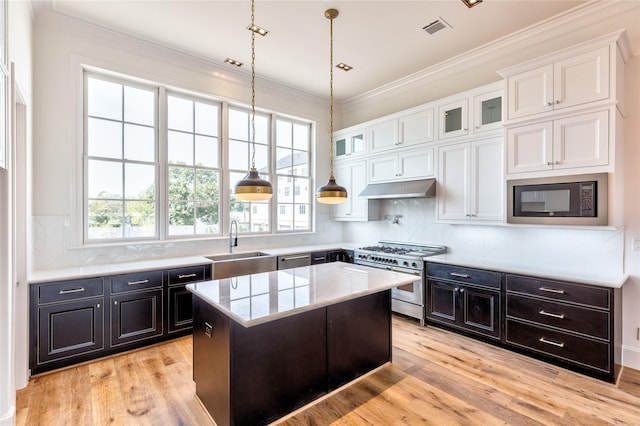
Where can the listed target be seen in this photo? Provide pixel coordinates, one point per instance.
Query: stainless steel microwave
(558, 200)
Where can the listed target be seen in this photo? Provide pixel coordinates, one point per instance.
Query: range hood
(410, 189)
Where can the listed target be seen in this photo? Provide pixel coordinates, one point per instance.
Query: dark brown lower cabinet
(255, 375)
(78, 320)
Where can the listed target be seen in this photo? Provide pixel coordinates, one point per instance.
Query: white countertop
(310, 248)
(115, 268)
(258, 298)
(583, 276)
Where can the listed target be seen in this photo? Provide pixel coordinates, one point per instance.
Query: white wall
(61, 46)
(13, 300)
(597, 250)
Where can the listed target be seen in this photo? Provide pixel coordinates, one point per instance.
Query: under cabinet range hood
(410, 189)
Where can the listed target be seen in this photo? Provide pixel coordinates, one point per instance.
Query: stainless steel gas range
(409, 258)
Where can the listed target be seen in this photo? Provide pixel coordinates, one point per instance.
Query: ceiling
(382, 40)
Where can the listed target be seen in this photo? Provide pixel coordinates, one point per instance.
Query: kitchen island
(266, 344)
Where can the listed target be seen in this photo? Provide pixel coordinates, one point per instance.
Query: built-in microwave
(558, 200)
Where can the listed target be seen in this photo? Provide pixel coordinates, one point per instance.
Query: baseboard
(631, 357)
(9, 418)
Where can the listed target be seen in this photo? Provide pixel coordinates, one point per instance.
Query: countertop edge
(612, 281)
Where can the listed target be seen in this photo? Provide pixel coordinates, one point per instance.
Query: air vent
(435, 26)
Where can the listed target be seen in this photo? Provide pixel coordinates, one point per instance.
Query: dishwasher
(294, 261)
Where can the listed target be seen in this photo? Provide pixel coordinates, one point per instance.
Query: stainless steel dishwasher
(294, 260)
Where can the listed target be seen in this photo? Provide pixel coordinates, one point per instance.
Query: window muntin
(193, 146)
(121, 169)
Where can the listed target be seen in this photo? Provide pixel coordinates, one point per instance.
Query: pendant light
(331, 193)
(252, 187)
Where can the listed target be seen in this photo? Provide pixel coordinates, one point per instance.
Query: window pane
(284, 161)
(104, 179)
(260, 220)
(238, 125)
(181, 184)
(283, 130)
(181, 218)
(285, 190)
(285, 217)
(207, 151)
(139, 143)
(207, 185)
(238, 155)
(207, 119)
(139, 106)
(300, 163)
(180, 114)
(262, 158)
(180, 150)
(139, 219)
(301, 186)
(262, 129)
(140, 181)
(105, 219)
(104, 138)
(207, 218)
(104, 99)
(301, 137)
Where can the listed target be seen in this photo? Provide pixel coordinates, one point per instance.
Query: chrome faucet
(233, 241)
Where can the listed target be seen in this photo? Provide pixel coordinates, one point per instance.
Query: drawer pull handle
(73, 290)
(304, 256)
(320, 258)
(186, 276)
(137, 282)
(551, 290)
(551, 342)
(456, 274)
(549, 314)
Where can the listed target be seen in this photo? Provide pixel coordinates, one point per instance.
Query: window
(149, 176)
(292, 160)
(240, 156)
(121, 160)
(193, 147)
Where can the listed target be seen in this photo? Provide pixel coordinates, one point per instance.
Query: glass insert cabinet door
(347, 144)
(454, 120)
(488, 111)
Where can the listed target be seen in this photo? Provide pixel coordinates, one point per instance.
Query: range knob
(414, 264)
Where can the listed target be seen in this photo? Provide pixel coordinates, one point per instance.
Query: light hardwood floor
(436, 377)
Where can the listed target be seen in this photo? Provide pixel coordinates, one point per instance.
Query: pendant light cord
(331, 99)
(253, 87)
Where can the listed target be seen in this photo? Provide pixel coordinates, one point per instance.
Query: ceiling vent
(435, 26)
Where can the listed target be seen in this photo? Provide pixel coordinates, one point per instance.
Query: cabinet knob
(549, 103)
(98, 306)
(115, 303)
(557, 102)
(549, 163)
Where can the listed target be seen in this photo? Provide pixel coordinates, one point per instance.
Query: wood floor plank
(436, 378)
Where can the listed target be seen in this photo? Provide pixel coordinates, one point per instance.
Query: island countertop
(259, 298)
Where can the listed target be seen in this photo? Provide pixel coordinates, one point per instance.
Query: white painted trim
(631, 357)
(9, 418)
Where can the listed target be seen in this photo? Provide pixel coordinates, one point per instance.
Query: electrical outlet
(635, 243)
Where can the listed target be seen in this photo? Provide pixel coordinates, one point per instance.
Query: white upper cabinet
(564, 83)
(402, 131)
(350, 143)
(353, 176)
(405, 165)
(487, 111)
(471, 182)
(454, 119)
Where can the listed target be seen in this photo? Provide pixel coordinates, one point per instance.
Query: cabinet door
(342, 173)
(487, 176)
(480, 311)
(415, 164)
(416, 128)
(180, 309)
(383, 136)
(530, 92)
(442, 302)
(350, 143)
(383, 169)
(581, 141)
(359, 206)
(582, 78)
(454, 121)
(136, 316)
(487, 111)
(70, 329)
(530, 148)
(455, 181)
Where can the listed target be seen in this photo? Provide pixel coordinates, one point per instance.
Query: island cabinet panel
(179, 309)
(358, 337)
(255, 375)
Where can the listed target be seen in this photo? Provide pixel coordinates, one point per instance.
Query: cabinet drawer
(70, 290)
(187, 275)
(137, 281)
(568, 317)
(560, 291)
(466, 275)
(566, 347)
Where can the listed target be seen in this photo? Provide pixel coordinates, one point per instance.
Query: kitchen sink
(227, 265)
